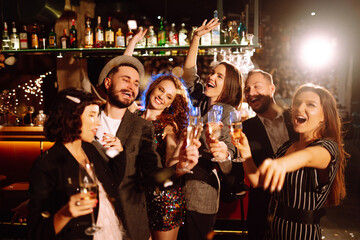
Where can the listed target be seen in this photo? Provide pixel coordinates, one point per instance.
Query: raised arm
(134, 40)
(193, 49)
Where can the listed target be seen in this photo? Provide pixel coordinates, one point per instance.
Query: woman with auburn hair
(307, 173)
(167, 107)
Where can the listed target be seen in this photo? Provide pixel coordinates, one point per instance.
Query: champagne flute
(87, 182)
(235, 131)
(215, 126)
(193, 131)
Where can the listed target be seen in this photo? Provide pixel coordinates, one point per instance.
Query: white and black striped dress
(302, 190)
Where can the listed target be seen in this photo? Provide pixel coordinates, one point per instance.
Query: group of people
(294, 160)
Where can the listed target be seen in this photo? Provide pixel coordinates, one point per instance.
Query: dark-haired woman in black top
(57, 210)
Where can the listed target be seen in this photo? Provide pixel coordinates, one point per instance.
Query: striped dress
(302, 190)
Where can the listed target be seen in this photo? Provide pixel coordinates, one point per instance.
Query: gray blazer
(202, 188)
(134, 167)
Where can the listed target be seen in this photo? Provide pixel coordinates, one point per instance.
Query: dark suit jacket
(54, 177)
(134, 168)
(260, 149)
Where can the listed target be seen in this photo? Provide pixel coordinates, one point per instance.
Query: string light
(31, 89)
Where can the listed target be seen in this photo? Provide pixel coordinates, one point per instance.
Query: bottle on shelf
(34, 37)
(120, 39)
(24, 38)
(242, 30)
(42, 38)
(64, 40)
(183, 36)
(89, 35)
(5, 38)
(235, 37)
(52, 38)
(173, 36)
(142, 42)
(161, 33)
(151, 39)
(73, 35)
(40, 119)
(109, 35)
(215, 33)
(129, 36)
(206, 39)
(14, 38)
(99, 34)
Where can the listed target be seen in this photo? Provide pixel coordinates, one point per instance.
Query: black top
(53, 179)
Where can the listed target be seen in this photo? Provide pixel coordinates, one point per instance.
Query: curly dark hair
(64, 121)
(177, 114)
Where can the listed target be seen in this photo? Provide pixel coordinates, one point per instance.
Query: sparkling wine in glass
(235, 131)
(193, 131)
(88, 183)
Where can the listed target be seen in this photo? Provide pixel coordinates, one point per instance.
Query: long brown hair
(331, 129)
(232, 91)
(179, 109)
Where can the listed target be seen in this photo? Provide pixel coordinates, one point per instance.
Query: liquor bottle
(206, 39)
(235, 36)
(215, 33)
(89, 35)
(5, 38)
(73, 35)
(173, 36)
(120, 39)
(99, 34)
(162, 33)
(24, 38)
(151, 39)
(34, 37)
(109, 35)
(142, 42)
(52, 38)
(183, 36)
(14, 38)
(129, 36)
(42, 38)
(242, 30)
(64, 40)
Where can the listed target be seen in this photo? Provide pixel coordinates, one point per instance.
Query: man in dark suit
(138, 161)
(266, 132)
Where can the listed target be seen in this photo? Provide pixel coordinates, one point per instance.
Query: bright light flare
(317, 52)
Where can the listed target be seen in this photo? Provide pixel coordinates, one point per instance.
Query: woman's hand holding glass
(89, 187)
(213, 133)
(193, 133)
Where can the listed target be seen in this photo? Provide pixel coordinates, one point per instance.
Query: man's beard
(265, 105)
(114, 99)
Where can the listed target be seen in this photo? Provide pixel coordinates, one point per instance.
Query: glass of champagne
(235, 131)
(193, 131)
(214, 125)
(88, 183)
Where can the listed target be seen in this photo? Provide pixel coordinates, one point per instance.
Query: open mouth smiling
(300, 119)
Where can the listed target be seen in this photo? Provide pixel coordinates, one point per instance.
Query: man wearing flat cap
(132, 136)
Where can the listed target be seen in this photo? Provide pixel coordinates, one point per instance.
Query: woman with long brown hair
(307, 173)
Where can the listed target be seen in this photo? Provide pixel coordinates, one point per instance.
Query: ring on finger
(77, 203)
